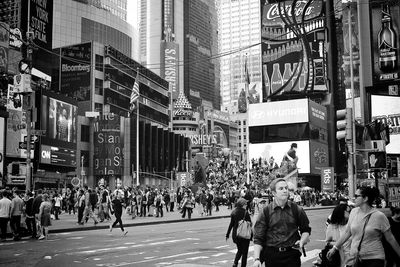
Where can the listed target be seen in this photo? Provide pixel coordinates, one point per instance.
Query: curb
(102, 227)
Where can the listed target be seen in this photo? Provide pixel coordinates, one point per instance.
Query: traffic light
(344, 124)
(376, 160)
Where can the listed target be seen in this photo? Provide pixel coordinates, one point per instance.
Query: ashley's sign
(271, 14)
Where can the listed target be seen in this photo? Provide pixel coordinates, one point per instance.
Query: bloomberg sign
(170, 66)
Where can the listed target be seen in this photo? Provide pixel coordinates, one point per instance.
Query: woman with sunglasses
(366, 227)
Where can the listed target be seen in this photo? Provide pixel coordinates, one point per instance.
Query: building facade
(239, 33)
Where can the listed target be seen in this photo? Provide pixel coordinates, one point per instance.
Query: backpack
(93, 199)
(325, 262)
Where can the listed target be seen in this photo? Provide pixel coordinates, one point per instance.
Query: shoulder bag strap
(362, 237)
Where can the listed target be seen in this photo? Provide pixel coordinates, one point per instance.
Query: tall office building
(239, 28)
(190, 27)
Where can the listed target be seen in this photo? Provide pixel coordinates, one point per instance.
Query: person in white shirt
(5, 212)
(57, 205)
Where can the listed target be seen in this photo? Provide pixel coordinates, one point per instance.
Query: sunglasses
(357, 195)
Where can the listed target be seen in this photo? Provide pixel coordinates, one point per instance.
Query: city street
(195, 243)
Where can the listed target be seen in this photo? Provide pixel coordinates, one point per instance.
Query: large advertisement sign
(385, 19)
(2, 142)
(327, 179)
(293, 46)
(75, 71)
(58, 156)
(318, 115)
(4, 44)
(319, 156)
(387, 110)
(109, 145)
(62, 121)
(170, 66)
(279, 112)
(279, 151)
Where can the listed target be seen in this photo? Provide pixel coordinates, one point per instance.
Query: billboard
(385, 20)
(327, 179)
(387, 110)
(293, 46)
(279, 112)
(62, 120)
(318, 115)
(319, 156)
(2, 142)
(109, 145)
(170, 66)
(4, 44)
(75, 71)
(58, 156)
(278, 151)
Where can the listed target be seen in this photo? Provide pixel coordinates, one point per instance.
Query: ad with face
(292, 155)
(62, 121)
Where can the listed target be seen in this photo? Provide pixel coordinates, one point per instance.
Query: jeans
(3, 227)
(31, 225)
(57, 211)
(242, 250)
(118, 220)
(88, 212)
(159, 211)
(15, 225)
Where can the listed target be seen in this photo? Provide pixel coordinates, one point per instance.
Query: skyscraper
(191, 26)
(239, 28)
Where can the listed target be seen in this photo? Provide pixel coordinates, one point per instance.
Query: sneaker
(41, 237)
(95, 223)
(110, 228)
(125, 233)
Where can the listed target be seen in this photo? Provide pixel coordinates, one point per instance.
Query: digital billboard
(109, 145)
(293, 46)
(278, 151)
(279, 112)
(58, 156)
(75, 71)
(385, 21)
(387, 110)
(4, 44)
(62, 118)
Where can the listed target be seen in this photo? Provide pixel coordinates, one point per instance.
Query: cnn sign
(327, 179)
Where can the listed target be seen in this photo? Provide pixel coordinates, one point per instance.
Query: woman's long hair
(338, 216)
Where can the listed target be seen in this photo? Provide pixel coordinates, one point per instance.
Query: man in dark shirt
(277, 228)
(36, 206)
(30, 215)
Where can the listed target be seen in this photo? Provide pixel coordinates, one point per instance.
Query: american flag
(246, 73)
(135, 93)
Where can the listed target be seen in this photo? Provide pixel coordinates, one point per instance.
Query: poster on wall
(109, 145)
(293, 51)
(298, 151)
(386, 109)
(385, 20)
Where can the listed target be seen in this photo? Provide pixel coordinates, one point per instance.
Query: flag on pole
(135, 93)
(246, 73)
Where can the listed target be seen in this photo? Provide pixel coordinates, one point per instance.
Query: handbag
(244, 228)
(357, 261)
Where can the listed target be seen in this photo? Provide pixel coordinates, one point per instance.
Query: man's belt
(279, 249)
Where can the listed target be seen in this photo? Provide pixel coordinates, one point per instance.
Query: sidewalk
(68, 223)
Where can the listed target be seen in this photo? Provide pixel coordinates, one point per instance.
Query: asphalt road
(195, 243)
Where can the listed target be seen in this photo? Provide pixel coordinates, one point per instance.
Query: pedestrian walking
(5, 211)
(45, 216)
(37, 201)
(80, 204)
(277, 240)
(366, 227)
(17, 207)
(116, 208)
(57, 205)
(158, 203)
(238, 214)
(91, 200)
(187, 205)
(30, 215)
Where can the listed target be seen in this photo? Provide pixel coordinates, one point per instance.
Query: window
(85, 133)
(98, 86)
(99, 63)
(98, 107)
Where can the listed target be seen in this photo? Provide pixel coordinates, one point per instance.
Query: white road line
(161, 258)
(197, 258)
(75, 238)
(224, 262)
(224, 246)
(218, 254)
